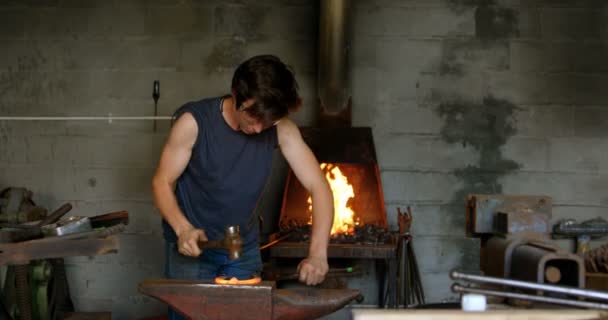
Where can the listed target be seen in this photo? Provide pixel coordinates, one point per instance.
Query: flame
(344, 222)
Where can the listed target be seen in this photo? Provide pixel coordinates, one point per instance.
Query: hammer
(231, 242)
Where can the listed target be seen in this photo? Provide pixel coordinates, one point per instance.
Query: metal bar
(455, 275)
(575, 303)
(107, 118)
(275, 241)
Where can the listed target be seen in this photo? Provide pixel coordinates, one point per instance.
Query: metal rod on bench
(455, 275)
(575, 303)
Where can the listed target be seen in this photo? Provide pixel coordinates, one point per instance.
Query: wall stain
(226, 54)
(241, 21)
(18, 81)
(493, 22)
(486, 126)
(459, 6)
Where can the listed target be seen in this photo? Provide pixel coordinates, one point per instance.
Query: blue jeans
(210, 264)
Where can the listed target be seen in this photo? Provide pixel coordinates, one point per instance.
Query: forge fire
(347, 226)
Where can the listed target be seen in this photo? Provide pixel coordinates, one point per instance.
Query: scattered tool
(155, 96)
(582, 232)
(27, 231)
(596, 260)
(410, 289)
(231, 242)
(73, 224)
(276, 240)
(599, 296)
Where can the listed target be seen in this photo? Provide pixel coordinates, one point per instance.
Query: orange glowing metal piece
(342, 191)
(234, 280)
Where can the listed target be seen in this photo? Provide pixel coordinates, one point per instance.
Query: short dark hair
(270, 82)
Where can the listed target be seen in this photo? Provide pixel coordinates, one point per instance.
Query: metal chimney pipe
(333, 85)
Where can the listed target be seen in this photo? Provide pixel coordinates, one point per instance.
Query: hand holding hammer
(232, 242)
(193, 241)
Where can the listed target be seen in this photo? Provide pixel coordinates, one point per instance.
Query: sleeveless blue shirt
(225, 176)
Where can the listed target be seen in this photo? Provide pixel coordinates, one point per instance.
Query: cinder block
(590, 121)
(437, 287)
(119, 54)
(193, 53)
(400, 3)
(423, 153)
(82, 183)
(544, 121)
(27, 89)
(265, 20)
(12, 23)
(23, 55)
(298, 54)
(90, 86)
(518, 88)
(582, 189)
(365, 93)
(141, 151)
(408, 56)
(578, 154)
(433, 89)
(177, 88)
(85, 4)
(105, 280)
(300, 17)
(140, 251)
(364, 52)
(245, 21)
(530, 153)
(529, 22)
(409, 117)
(446, 253)
(571, 23)
(413, 21)
(94, 21)
(161, 20)
(579, 89)
(527, 56)
(406, 186)
(464, 56)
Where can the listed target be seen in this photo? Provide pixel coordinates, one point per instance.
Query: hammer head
(233, 242)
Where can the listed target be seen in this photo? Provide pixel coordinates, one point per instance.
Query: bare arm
(306, 168)
(173, 161)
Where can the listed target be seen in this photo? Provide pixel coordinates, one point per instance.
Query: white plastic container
(473, 302)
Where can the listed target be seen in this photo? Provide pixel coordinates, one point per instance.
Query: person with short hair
(214, 166)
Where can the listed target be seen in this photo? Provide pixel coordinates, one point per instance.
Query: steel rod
(575, 303)
(106, 118)
(455, 275)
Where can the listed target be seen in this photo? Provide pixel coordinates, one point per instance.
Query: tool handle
(210, 244)
(56, 215)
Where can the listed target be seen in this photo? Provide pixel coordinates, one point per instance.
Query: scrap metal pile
(596, 260)
(368, 234)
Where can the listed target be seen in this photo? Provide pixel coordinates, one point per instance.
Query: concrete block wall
(95, 58)
(501, 96)
(482, 97)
